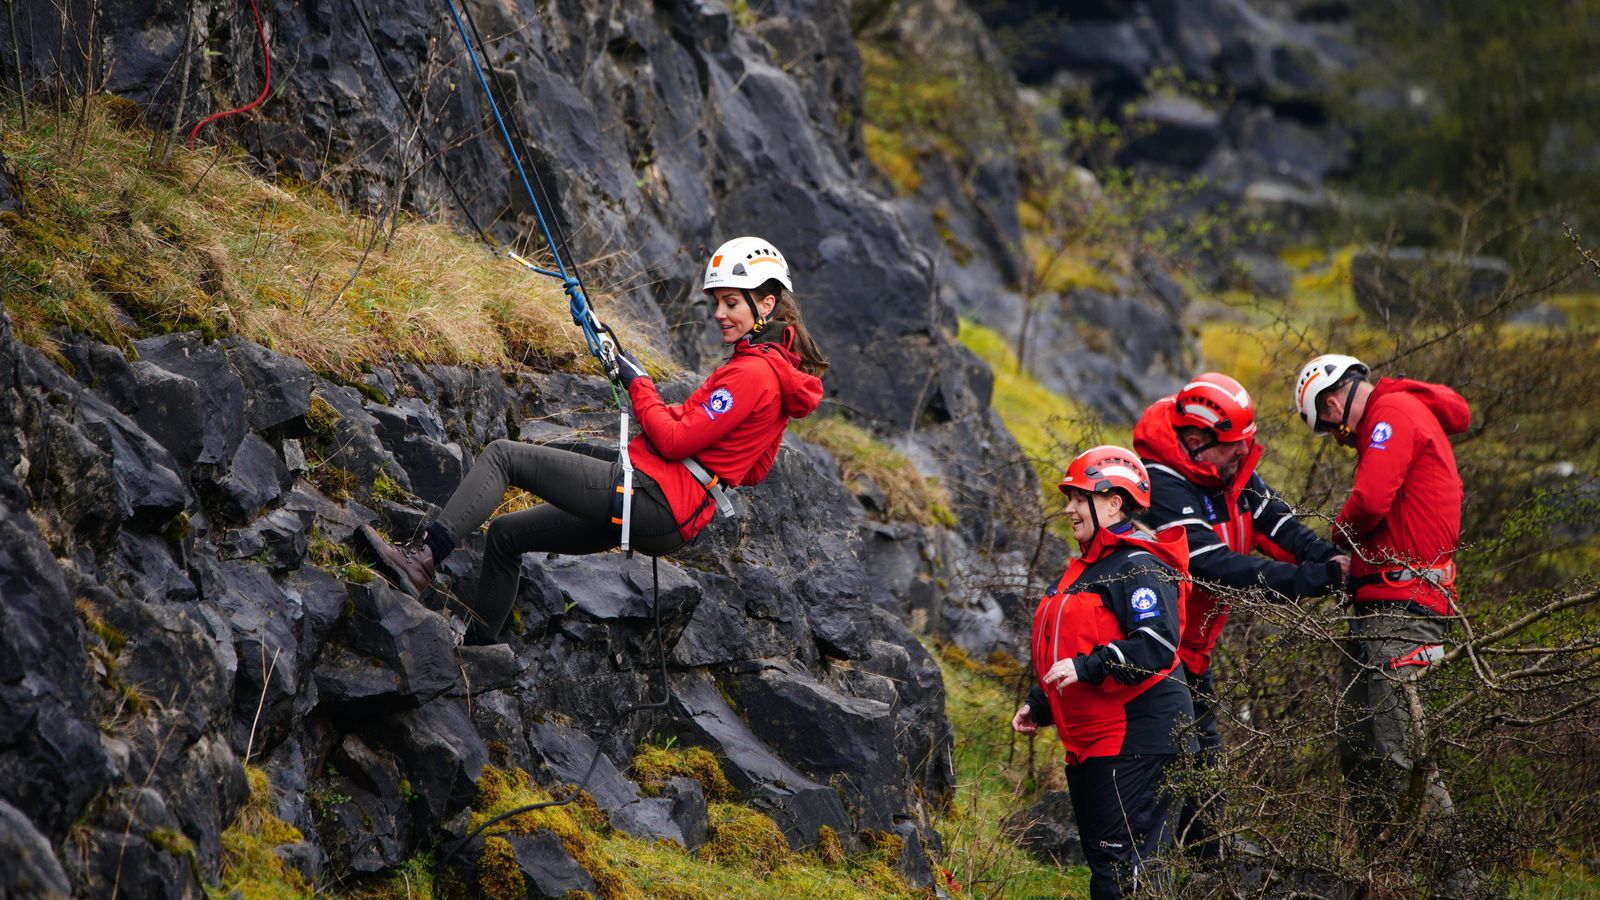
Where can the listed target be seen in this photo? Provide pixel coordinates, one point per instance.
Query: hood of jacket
(1155, 440)
(801, 392)
(1449, 407)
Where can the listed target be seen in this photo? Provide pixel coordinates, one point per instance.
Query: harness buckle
(719, 492)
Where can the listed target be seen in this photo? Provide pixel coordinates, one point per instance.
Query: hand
(1062, 674)
(628, 369)
(1343, 560)
(1022, 722)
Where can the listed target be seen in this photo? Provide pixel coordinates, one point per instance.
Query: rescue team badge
(720, 402)
(1144, 604)
(1381, 433)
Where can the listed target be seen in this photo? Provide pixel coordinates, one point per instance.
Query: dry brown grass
(114, 246)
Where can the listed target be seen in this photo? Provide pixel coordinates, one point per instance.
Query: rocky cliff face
(175, 604)
(177, 599)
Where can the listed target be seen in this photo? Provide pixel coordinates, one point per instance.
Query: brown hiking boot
(408, 566)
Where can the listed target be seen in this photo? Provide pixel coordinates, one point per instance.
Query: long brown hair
(812, 360)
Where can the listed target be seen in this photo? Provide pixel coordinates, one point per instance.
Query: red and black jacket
(733, 424)
(1117, 612)
(1225, 522)
(1404, 509)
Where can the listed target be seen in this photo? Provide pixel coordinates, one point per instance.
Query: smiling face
(1107, 507)
(733, 315)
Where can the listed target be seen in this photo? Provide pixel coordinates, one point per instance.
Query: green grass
(994, 782)
(1050, 428)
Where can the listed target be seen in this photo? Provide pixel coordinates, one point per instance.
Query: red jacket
(732, 424)
(1225, 522)
(1117, 611)
(1405, 506)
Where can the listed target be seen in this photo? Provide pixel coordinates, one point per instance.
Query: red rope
(265, 58)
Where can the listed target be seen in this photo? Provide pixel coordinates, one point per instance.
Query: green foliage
(744, 838)
(1489, 101)
(386, 488)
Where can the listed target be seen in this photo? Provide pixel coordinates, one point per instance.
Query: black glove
(628, 369)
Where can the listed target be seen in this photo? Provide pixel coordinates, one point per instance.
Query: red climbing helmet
(1217, 403)
(1106, 467)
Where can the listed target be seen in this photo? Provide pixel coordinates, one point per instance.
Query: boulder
(410, 639)
(547, 868)
(32, 869)
(191, 399)
(1173, 131)
(1048, 830)
(437, 750)
(277, 387)
(254, 478)
(798, 804)
(846, 742)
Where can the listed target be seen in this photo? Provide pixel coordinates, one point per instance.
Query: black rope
(582, 783)
(416, 122)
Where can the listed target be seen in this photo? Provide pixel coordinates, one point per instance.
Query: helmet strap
(1344, 419)
(755, 312)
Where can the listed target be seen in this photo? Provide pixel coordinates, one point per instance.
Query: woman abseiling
(729, 429)
(1105, 654)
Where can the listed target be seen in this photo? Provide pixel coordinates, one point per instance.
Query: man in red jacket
(1403, 524)
(1200, 450)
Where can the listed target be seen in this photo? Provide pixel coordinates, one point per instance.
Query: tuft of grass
(744, 838)
(249, 867)
(910, 496)
(112, 637)
(652, 766)
(114, 246)
(499, 875)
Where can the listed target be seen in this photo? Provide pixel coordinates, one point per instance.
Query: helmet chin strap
(1342, 427)
(755, 313)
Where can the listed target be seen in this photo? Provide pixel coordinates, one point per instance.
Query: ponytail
(812, 361)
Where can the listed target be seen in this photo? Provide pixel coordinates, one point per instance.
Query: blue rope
(582, 315)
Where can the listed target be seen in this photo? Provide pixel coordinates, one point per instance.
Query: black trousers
(579, 492)
(1124, 815)
(1203, 804)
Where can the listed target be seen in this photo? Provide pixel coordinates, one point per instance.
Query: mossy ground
(116, 245)
(249, 867)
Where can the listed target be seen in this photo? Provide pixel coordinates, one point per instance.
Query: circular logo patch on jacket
(1144, 599)
(1381, 433)
(719, 402)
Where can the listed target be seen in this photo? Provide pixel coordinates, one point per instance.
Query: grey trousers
(575, 518)
(1381, 718)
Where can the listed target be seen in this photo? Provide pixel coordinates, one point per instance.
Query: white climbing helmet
(746, 263)
(1320, 374)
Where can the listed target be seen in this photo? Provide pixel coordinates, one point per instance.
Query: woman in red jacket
(726, 433)
(1105, 652)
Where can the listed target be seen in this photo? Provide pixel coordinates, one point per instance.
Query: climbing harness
(1442, 577)
(714, 486)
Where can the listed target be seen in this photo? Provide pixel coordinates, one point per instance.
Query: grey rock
(1048, 830)
(254, 479)
(547, 868)
(798, 804)
(193, 402)
(409, 638)
(437, 750)
(847, 742)
(1173, 131)
(277, 387)
(31, 869)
